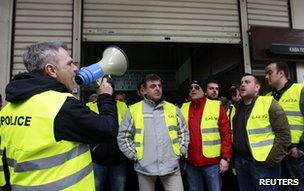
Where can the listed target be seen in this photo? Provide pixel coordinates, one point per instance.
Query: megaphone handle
(98, 81)
(109, 80)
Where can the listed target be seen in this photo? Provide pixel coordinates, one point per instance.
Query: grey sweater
(158, 156)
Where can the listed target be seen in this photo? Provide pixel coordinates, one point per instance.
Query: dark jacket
(277, 94)
(279, 124)
(107, 152)
(74, 121)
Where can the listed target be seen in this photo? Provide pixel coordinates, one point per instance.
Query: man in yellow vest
(209, 150)
(154, 134)
(260, 138)
(45, 129)
(109, 163)
(291, 98)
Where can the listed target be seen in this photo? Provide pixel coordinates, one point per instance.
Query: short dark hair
(282, 66)
(208, 81)
(141, 83)
(256, 80)
(151, 77)
(118, 93)
(230, 90)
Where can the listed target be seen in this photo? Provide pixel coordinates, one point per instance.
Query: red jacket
(195, 156)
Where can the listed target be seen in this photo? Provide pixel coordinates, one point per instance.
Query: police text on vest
(16, 120)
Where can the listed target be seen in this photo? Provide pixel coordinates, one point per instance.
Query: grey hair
(38, 55)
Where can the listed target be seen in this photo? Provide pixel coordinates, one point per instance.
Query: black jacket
(74, 121)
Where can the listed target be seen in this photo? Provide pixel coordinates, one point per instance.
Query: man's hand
(224, 165)
(296, 153)
(104, 88)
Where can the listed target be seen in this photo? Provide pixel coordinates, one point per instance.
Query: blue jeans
(293, 168)
(199, 176)
(249, 175)
(117, 176)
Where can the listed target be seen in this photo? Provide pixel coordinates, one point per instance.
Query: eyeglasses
(196, 87)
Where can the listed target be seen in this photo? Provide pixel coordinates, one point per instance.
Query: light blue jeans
(199, 176)
(116, 173)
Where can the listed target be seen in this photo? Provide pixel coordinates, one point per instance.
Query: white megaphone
(114, 61)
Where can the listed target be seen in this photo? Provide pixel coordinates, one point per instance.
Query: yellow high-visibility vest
(230, 113)
(121, 109)
(211, 139)
(36, 161)
(136, 112)
(93, 106)
(259, 130)
(290, 102)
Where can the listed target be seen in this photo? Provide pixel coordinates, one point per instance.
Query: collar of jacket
(152, 103)
(277, 94)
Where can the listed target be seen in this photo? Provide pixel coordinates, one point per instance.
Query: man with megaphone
(45, 129)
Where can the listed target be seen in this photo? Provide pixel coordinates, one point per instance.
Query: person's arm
(226, 140)
(125, 136)
(76, 122)
(225, 133)
(299, 151)
(280, 127)
(183, 132)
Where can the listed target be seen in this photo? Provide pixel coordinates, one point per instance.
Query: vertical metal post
(245, 39)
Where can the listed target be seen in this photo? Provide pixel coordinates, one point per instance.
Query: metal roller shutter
(268, 12)
(204, 21)
(40, 20)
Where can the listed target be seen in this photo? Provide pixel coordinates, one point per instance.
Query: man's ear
(257, 87)
(50, 70)
(281, 73)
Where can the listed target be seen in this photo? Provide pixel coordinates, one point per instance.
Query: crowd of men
(52, 141)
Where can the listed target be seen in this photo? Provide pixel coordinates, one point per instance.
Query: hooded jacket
(74, 121)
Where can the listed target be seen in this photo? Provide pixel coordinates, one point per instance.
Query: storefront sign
(286, 49)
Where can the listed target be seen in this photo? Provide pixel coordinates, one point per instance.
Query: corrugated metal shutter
(268, 12)
(40, 20)
(207, 21)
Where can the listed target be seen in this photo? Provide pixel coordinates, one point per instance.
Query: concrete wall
(6, 10)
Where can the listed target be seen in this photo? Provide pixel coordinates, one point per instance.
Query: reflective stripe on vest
(2, 177)
(259, 130)
(36, 161)
(290, 102)
(136, 111)
(209, 127)
(121, 109)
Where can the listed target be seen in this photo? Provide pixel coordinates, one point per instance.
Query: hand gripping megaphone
(114, 61)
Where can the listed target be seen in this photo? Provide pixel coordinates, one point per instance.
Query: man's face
(212, 90)
(153, 90)
(249, 88)
(196, 92)
(273, 75)
(120, 97)
(237, 97)
(65, 69)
